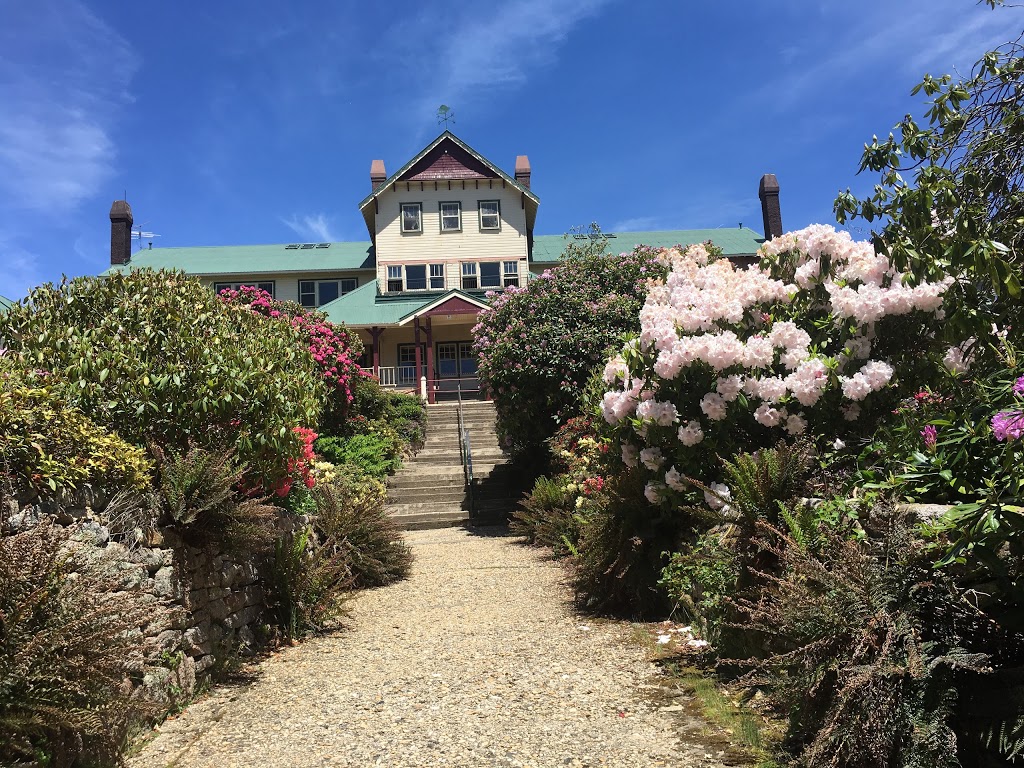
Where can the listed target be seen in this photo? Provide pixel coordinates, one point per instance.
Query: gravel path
(477, 660)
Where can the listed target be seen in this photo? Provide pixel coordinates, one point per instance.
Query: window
(315, 293)
(412, 219)
(394, 278)
(490, 215)
(407, 362)
(510, 273)
(437, 276)
(451, 217)
(469, 275)
(415, 277)
(267, 286)
(490, 274)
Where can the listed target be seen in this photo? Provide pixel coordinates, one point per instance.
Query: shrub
(308, 584)
(156, 357)
(332, 347)
(867, 647)
(726, 360)
(548, 517)
(373, 406)
(49, 444)
(538, 345)
(200, 494)
(376, 454)
(699, 579)
(352, 524)
(69, 641)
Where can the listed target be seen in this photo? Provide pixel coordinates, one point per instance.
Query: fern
(759, 481)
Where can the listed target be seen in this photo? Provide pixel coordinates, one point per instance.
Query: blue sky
(255, 122)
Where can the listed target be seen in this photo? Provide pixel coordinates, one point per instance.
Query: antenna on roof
(445, 115)
(140, 234)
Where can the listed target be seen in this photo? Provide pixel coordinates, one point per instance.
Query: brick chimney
(120, 232)
(377, 174)
(523, 170)
(770, 209)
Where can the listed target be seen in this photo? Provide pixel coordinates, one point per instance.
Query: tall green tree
(950, 196)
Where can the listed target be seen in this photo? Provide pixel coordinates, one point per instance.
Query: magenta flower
(1008, 425)
(930, 434)
(1018, 386)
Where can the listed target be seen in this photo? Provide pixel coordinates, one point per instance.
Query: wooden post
(419, 353)
(431, 395)
(375, 334)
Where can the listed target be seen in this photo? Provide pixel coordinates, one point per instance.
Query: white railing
(397, 376)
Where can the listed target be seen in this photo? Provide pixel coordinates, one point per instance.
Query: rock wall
(216, 604)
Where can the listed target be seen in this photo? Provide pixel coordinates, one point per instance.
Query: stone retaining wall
(216, 603)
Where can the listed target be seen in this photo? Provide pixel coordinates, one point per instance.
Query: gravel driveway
(477, 660)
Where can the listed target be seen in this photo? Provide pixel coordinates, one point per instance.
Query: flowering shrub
(813, 338)
(301, 467)
(332, 347)
(156, 357)
(539, 344)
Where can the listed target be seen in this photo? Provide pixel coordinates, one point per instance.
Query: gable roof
(256, 259)
(365, 308)
(472, 165)
(5, 304)
(733, 241)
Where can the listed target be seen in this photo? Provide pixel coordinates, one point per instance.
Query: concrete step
(428, 520)
(445, 496)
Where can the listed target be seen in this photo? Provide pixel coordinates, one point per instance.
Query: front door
(456, 367)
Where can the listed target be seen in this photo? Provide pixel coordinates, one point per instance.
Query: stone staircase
(429, 490)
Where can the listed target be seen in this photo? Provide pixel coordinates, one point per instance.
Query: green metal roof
(5, 304)
(363, 307)
(255, 259)
(733, 241)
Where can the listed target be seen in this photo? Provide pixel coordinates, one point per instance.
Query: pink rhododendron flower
(1008, 425)
(930, 435)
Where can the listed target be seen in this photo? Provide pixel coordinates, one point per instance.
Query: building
(444, 229)
(5, 304)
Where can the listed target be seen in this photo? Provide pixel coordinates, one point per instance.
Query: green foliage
(759, 483)
(308, 584)
(352, 524)
(538, 345)
(52, 446)
(867, 646)
(201, 498)
(951, 191)
(700, 578)
(377, 454)
(548, 516)
(156, 357)
(68, 640)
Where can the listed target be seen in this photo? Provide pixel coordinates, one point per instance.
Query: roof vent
(323, 245)
(291, 247)
(307, 246)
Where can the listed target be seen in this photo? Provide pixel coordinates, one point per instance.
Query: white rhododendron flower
(690, 433)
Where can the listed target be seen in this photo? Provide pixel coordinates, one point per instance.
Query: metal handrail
(466, 455)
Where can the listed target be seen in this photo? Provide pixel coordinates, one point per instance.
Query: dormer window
(451, 217)
(412, 218)
(490, 215)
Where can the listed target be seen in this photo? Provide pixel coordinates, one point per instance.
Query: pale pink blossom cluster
(740, 325)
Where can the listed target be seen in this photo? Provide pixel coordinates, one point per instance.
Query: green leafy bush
(69, 639)
(867, 647)
(308, 583)
(201, 498)
(156, 357)
(699, 579)
(377, 454)
(538, 345)
(352, 524)
(46, 443)
(373, 406)
(548, 517)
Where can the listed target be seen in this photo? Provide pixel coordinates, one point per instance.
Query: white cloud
(63, 80)
(19, 269)
(314, 228)
(635, 224)
(472, 57)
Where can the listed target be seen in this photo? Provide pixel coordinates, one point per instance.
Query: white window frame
(497, 277)
(419, 218)
(261, 284)
(431, 277)
(496, 213)
(472, 273)
(389, 277)
(345, 285)
(510, 277)
(442, 216)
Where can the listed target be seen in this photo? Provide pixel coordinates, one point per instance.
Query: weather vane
(445, 115)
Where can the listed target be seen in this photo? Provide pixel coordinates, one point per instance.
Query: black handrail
(466, 455)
